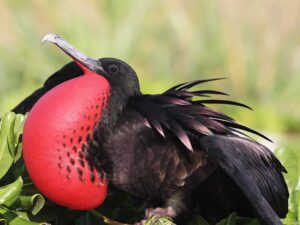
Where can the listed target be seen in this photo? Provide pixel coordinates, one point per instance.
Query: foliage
(16, 205)
(291, 159)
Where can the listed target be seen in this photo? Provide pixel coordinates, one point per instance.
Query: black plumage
(173, 151)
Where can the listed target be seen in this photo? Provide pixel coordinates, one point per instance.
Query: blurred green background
(256, 44)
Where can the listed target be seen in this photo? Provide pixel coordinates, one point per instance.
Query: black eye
(113, 69)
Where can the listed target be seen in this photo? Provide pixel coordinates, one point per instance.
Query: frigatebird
(90, 126)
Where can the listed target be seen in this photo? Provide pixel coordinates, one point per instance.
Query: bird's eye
(113, 69)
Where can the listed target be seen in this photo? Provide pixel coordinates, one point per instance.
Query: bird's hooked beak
(85, 62)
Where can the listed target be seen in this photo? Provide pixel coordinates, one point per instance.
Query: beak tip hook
(50, 38)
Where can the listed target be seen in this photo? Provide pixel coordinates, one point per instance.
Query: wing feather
(175, 112)
(256, 170)
(224, 102)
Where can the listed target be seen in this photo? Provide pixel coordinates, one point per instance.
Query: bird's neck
(116, 103)
(96, 149)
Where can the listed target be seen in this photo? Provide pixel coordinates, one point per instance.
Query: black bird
(168, 149)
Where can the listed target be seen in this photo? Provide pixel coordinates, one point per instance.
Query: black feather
(189, 94)
(181, 134)
(175, 112)
(188, 85)
(224, 102)
(241, 127)
(206, 92)
(255, 170)
(171, 100)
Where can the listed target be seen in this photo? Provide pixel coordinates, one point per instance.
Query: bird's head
(58, 138)
(118, 73)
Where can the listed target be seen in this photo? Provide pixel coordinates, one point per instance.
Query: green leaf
(18, 130)
(22, 214)
(18, 127)
(32, 203)
(11, 136)
(6, 157)
(291, 218)
(14, 219)
(294, 205)
(10, 193)
(18, 152)
(291, 161)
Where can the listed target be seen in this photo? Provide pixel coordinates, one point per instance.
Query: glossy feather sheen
(174, 111)
(55, 142)
(247, 161)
